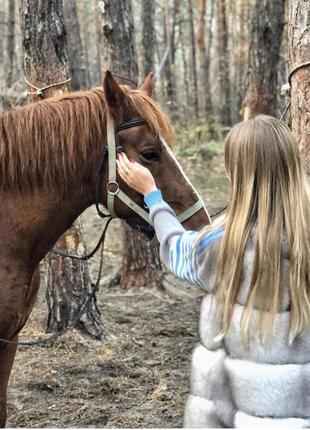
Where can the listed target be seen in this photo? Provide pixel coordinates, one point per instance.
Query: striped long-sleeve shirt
(180, 250)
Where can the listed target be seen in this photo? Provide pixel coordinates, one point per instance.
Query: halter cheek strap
(113, 188)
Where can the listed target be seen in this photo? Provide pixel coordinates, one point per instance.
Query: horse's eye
(149, 155)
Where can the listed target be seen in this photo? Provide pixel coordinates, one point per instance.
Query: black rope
(87, 256)
(219, 212)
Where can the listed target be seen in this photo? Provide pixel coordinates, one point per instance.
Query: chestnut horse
(49, 157)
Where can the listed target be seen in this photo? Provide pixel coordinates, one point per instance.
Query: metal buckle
(113, 184)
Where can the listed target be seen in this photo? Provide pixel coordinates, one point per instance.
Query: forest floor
(138, 378)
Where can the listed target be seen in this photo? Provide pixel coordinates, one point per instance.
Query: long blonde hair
(270, 194)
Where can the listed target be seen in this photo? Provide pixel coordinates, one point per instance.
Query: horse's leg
(7, 354)
(7, 351)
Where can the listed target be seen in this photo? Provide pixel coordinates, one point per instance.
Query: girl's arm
(177, 246)
(179, 249)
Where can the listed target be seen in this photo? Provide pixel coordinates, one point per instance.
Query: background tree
(140, 267)
(299, 59)
(75, 49)
(204, 58)
(223, 59)
(148, 36)
(46, 64)
(266, 37)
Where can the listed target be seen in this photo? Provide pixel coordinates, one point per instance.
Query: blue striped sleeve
(181, 261)
(209, 238)
(153, 198)
(183, 254)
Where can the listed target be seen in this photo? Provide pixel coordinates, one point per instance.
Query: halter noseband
(113, 188)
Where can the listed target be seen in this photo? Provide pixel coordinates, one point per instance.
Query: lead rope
(95, 287)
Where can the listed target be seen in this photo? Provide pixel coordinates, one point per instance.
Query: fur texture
(247, 384)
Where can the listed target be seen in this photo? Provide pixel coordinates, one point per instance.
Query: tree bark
(75, 49)
(224, 77)
(299, 42)
(139, 267)
(46, 62)
(266, 37)
(148, 36)
(68, 286)
(117, 40)
(10, 44)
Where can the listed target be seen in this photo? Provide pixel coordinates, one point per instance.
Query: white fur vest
(234, 385)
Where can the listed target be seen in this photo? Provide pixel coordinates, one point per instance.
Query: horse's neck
(37, 220)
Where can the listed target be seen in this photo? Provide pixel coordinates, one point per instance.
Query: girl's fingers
(125, 160)
(122, 164)
(123, 171)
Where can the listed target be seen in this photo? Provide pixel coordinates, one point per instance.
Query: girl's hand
(136, 176)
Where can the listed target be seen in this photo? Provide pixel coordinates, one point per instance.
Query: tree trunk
(299, 42)
(68, 286)
(139, 267)
(117, 40)
(204, 61)
(148, 36)
(239, 57)
(169, 15)
(45, 63)
(193, 59)
(10, 44)
(266, 37)
(75, 48)
(224, 77)
(186, 104)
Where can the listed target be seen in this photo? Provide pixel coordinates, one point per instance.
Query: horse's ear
(147, 85)
(115, 97)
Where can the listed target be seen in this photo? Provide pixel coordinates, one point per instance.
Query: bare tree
(204, 60)
(117, 40)
(299, 42)
(193, 56)
(46, 63)
(148, 36)
(224, 81)
(266, 37)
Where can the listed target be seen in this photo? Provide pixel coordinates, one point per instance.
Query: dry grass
(138, 379)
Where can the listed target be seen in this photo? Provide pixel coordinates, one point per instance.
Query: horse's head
(149, 144)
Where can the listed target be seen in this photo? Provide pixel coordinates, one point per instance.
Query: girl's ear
(114, 96)
(147, 85)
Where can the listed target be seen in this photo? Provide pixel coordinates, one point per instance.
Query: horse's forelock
(151, 112)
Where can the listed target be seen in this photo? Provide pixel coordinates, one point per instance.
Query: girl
(252, 365)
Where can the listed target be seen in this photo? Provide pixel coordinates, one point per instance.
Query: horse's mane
(51, 141)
